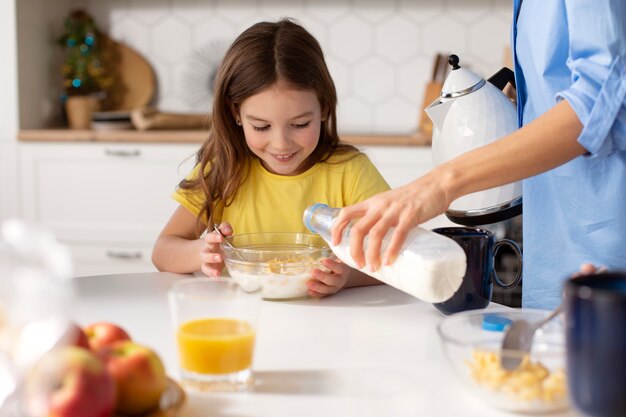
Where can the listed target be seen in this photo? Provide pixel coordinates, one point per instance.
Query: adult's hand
(402, 208)
(521, 154)
(589, 269)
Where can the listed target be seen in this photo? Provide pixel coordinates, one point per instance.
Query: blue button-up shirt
(573, 50)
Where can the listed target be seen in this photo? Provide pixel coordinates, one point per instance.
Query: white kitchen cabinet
(8, 110)
(8, 73)
(111, 258)
(8, 184)
(107, 202)
(400, 164)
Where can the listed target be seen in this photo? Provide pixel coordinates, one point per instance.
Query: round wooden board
(135, 80)
(172, 400)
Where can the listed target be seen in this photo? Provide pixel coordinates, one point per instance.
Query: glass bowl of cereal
(472, 342)
(278, 263)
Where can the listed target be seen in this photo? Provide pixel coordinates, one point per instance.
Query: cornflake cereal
(288, 266)
(530, 382)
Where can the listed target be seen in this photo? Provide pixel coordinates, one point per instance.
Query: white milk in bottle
(429, 266)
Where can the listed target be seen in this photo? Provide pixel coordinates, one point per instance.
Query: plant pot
(79, 109)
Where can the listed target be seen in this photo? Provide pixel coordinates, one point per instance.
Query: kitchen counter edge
(193, 136)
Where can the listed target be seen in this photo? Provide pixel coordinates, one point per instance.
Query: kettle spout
(437, 112)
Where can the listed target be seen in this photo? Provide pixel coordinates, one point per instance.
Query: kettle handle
(501, 78)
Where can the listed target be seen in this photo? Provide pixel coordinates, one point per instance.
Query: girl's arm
(177, 249)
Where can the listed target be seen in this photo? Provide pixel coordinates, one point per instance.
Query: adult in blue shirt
(570, 67)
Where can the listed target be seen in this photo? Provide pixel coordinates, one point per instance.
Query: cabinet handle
(124, 255)
(123, 153)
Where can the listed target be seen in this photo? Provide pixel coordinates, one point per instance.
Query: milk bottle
(429, 266)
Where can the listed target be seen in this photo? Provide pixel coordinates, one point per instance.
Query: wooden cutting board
(135, 80)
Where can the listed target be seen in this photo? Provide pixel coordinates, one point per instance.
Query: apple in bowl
(138, 373)
(75, 336)
(103, 334)
(69, 381)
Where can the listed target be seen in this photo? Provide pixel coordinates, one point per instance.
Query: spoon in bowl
(224, 237)
(519, 339)
(228, 243)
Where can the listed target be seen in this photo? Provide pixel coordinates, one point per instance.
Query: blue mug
(481, 247)
(595, 335)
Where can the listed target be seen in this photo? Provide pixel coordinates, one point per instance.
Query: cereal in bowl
(530, 382)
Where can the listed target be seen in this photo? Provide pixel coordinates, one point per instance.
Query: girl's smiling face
(282, 127)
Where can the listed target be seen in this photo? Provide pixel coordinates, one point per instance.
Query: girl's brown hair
(263, 54)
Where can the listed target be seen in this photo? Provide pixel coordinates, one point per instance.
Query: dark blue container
(595, 308)
(480, 248)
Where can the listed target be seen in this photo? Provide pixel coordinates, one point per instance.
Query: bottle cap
(308, 214)
(495, 322)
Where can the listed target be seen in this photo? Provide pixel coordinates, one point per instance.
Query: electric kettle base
(466, 219)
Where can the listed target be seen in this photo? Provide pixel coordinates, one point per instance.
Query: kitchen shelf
(191, 136)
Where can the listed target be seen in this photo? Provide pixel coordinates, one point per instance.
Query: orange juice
(215, 346)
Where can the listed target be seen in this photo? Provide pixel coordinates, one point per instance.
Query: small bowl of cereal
(472, 342)
(280, 264)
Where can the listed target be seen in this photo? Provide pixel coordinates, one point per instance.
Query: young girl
(273, 150)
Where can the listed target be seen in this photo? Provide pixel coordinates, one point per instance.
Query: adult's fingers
(587, 268)
(358, 232)
(345, 216)
(397, 240)
(375, 240)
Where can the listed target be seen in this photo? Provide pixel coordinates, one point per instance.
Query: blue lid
(495, 322)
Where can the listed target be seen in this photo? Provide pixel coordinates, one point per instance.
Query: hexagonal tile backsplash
(380, 52)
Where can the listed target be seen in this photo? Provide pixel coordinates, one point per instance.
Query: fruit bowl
(280, 264)
(472, 343)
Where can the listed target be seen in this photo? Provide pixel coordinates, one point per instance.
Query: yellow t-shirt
(267, 202)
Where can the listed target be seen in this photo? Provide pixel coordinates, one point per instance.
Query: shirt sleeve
(192, 200)
(597, 33)
(367, 181)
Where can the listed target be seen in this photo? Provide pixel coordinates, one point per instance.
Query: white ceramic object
(472, 112)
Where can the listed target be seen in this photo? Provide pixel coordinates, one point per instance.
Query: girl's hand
(324, 283)
(211, 257)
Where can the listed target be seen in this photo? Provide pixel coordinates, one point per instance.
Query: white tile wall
(379, 51)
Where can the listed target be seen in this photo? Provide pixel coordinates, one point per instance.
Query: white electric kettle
(470, 113)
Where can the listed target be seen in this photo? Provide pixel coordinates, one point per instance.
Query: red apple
(75, 336)
(69, 381)
(103, 334)
(139, 375)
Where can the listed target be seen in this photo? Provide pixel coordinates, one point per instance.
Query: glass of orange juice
(215, 323)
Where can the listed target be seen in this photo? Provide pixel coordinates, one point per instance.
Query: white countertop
(370, 351)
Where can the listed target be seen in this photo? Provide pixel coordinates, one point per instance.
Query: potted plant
(86, 77)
